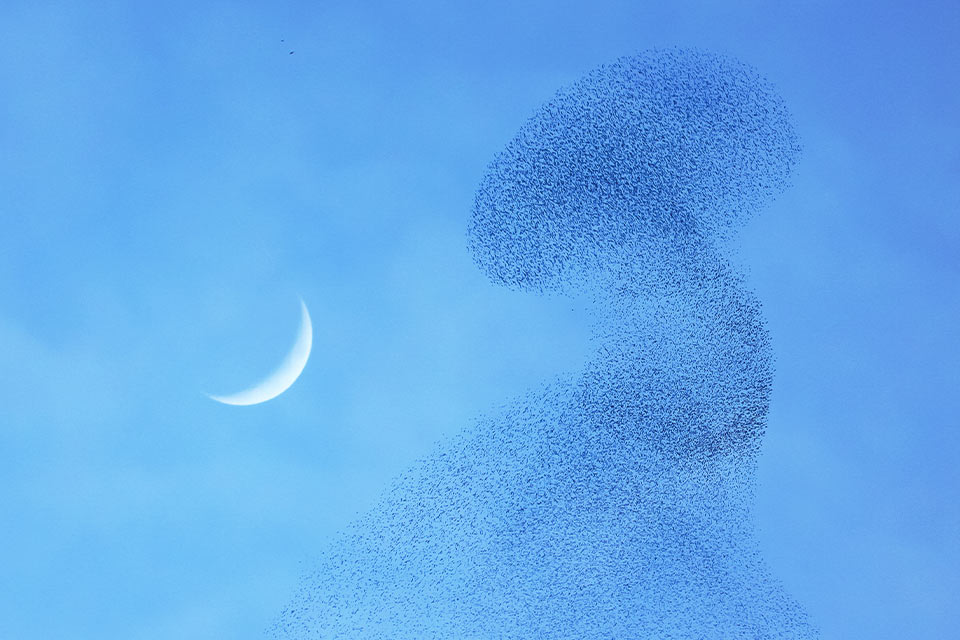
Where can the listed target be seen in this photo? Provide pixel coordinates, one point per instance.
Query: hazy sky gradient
(172, 179)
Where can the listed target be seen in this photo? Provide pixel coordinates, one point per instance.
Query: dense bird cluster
(616, 502)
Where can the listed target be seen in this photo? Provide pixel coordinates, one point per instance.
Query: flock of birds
(615, 502)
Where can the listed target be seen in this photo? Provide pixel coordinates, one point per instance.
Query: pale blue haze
(171, 179)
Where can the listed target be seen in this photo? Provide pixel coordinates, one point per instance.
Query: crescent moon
(285, 375)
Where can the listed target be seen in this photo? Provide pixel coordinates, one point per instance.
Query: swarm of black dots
(614, 503)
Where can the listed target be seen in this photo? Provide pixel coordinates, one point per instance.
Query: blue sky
(172, 178)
